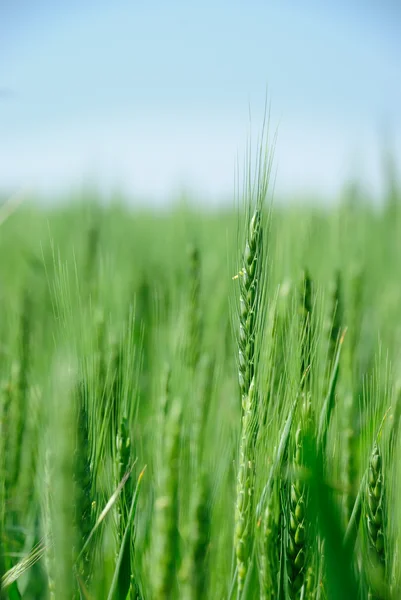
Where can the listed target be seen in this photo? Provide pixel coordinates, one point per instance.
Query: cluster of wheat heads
(173, 426)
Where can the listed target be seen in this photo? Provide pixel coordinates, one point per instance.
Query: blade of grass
(328, 405)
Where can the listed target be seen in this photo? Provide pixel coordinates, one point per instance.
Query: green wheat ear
(249, 300)
(249, 282)
(306, 299)
(123, 459)
(83, 483)
(195, 571)
(298, 523)
(270, 545)
(375, 505)
(167, 509)
(336, 320)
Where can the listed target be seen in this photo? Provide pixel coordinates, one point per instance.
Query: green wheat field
(201, 404)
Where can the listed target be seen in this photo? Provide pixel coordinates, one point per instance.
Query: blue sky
(155, 96)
